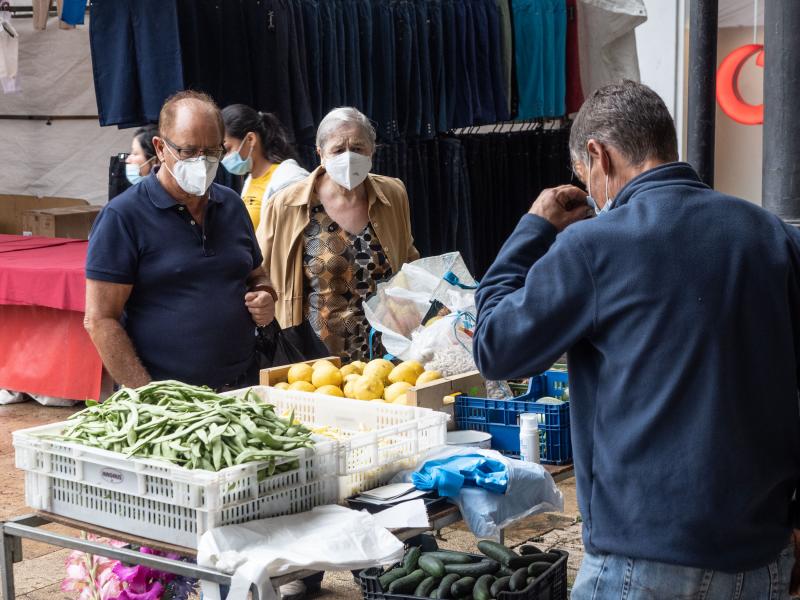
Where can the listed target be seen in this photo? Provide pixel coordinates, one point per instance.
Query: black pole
(781, 168)
(702, 86)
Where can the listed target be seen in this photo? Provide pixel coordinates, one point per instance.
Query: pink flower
(154, 593)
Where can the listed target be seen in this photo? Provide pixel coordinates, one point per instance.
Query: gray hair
(344, 116)
(628, 116)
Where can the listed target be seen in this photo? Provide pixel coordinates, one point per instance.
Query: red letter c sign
(730, 101)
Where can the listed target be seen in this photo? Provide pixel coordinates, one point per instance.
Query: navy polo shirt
(186, 313)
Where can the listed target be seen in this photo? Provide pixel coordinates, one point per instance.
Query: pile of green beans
(189, 426)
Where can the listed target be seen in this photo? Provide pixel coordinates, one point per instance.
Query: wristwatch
(263, 287)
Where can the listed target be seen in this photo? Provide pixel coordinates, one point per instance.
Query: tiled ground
(38, 577)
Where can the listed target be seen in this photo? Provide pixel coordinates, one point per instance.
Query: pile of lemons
(377, 380)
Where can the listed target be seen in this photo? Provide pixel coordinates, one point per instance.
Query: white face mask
(348, 169)
(590, 199)
(194, 175)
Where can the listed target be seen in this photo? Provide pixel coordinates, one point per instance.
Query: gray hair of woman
(345, 116)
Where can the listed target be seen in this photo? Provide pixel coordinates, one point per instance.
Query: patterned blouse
(342, 270)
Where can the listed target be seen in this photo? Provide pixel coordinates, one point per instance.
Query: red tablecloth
(44, 348)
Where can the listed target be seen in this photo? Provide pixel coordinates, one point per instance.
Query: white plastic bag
(327, 538)
(10, 397)
(400, 304)
(531, 490)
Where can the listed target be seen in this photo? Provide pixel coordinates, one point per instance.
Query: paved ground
(38, 577)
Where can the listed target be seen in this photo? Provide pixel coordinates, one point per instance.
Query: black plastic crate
(550, 585)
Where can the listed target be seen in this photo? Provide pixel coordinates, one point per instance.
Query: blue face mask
(134, 172)
(235, 164)
(590, 200)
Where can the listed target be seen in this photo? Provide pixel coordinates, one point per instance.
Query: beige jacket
(280, 236)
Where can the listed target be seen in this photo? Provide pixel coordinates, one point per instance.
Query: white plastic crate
(380, 439)
(377, 433)
(161, 501)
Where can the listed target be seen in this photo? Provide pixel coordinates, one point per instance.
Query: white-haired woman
(328, 240)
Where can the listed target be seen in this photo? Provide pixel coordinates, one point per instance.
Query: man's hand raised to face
(562, 206)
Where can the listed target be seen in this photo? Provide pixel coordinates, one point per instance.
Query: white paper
(387, 492)
(410, 514)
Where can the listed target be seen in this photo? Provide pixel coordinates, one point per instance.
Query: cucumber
(451, 557)
(497, 551)
(407, 584)
(387, 578)
(432, 566)
(426, 587)
(446, 584)
(537, 568)
(500, 585)
(529, 549)
(481, 589)
(463, 587)
(411, 558)
(485, 567)
(518, 580)
(434, 594)
(523, 561)
(505, 572)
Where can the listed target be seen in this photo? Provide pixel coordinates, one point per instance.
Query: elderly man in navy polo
(174, 282)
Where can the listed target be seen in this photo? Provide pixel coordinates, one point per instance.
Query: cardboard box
(69, 222)
(275, 375)
(13, 206)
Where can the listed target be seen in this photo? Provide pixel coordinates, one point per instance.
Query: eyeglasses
(211, 154)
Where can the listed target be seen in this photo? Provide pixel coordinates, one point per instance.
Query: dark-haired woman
(256, 145)
(143, 157)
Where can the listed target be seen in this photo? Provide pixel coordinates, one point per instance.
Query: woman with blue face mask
(256, 145)
(143, 157)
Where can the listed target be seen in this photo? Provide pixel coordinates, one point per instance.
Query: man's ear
(600, 157)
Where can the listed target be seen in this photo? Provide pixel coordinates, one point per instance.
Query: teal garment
(448, 475)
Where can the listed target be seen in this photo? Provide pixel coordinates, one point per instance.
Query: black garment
(117, 180)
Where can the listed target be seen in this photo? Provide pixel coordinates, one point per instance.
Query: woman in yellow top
(329, 240)
(256, 145)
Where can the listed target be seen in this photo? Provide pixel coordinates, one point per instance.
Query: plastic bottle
(529, 437)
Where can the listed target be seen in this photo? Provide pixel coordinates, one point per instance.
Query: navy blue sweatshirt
(680, 312)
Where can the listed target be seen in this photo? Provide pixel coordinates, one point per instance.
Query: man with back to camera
(679, 307)
(174, 283)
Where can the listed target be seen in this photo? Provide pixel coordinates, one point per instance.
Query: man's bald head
(182, 109)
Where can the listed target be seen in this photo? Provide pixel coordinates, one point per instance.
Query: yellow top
(253, 194)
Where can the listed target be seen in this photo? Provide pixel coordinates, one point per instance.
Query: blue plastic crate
(500, 418)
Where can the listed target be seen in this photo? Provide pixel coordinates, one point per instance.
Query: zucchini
(391, 575)
(446, 584)
(497, 551)
(426, 587)
(481, 589)
(523, 561)
(529, 549)
(500, 585)
(485, 567)
(434, 594)
(432, 566)
(407, 584)
(505, 572)
(451, 557)
(411, 558)
(519, 580)
(537, 568)
(463, 587)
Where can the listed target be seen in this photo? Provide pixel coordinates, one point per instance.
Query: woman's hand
(261, 307)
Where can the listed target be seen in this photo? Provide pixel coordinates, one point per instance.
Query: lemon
(302, 386)
(427, 377)
(300, 372)
(406, 371)
(323, 363)
(282, 385)
(326, 375)
(351, 369)
(402, 399)
(351, 377)
(378, 369)
(368, 388)
(395, 390)
(330, 390)
(359, 366)
(349, 389)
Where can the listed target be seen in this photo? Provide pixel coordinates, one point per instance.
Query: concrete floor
(39, 575)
